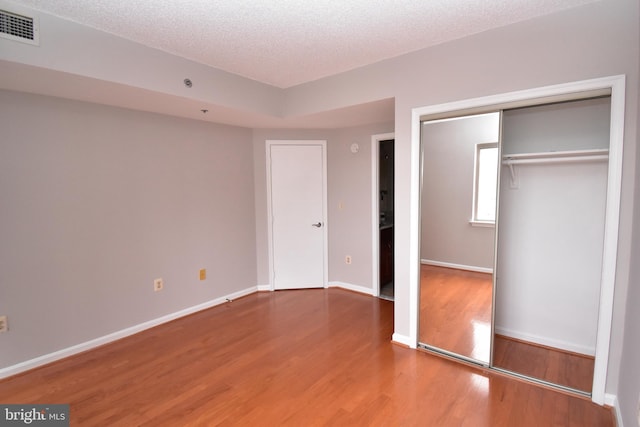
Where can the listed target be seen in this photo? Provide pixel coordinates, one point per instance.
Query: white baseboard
(263, 288)
(612, 400)
(549, 342)
(457, 266)
(403, 339)
(349, 286)
(88, 345)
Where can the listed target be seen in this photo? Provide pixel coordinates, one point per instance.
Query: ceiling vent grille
(19, 27)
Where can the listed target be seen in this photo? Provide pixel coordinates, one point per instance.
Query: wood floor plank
(288, 358)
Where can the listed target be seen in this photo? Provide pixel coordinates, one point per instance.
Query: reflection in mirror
(458, 199)
(550, 240)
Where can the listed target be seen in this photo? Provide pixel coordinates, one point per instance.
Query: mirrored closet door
(512, 230)
(458, 199)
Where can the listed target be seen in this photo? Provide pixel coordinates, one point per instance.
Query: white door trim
(617, 86)
(375, 208)
(325, 266)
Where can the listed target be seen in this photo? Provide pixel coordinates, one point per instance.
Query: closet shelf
(574, 156)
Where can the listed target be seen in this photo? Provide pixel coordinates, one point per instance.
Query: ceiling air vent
(19, 27)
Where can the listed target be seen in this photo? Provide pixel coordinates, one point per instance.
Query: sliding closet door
(458, 205)
(550, 240)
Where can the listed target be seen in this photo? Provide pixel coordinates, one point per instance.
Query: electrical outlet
(347, 259)
(203, 274)
(4, 326)
(158, 285)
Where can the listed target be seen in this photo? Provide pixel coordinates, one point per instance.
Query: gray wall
(97, 202)
(578, 125)
(350, 184)
(448, 149)
(629, 389)
(550, 242)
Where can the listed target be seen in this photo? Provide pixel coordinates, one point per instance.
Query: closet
(550, 240)
(516, 287)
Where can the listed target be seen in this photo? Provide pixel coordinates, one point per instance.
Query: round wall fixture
(188, 82)
(355, 148)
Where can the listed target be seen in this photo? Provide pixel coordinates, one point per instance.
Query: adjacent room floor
(387, 291)
(288, 358)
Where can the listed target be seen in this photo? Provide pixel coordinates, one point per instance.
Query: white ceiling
(288, 42)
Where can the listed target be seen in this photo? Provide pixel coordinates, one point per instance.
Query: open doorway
(383, 214)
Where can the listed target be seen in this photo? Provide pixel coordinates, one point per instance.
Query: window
(485, 184)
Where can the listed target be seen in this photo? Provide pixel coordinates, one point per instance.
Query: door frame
(375, 208)
(325, 235)
(616, 86)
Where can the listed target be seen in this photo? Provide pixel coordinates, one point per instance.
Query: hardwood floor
(455, 315)
(544, 363)
(455, 311)
(288, 358)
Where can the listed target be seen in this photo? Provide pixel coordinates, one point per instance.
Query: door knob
(317, 224)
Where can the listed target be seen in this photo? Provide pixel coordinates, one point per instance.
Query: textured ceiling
(289, 42)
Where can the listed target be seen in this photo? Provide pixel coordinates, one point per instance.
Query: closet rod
(556, 156)
(511, 160)
(569, 159)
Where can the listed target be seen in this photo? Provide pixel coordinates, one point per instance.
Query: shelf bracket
(514, 183)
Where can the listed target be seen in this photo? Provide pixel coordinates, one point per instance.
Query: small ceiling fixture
(204, 111)
(188, 82)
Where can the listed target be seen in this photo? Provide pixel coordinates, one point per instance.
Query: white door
(297, 186)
